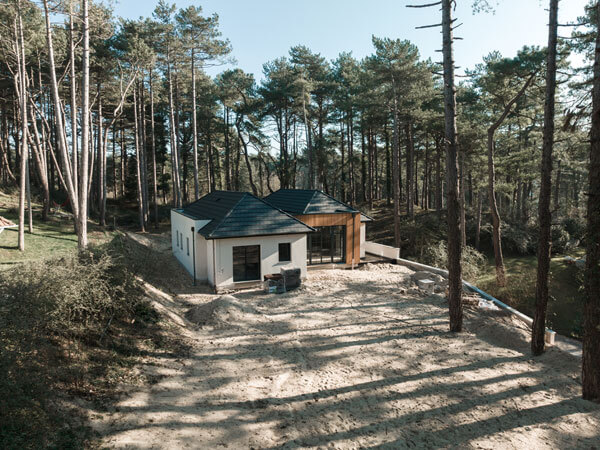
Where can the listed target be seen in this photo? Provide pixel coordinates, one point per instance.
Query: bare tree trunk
(138, 163)
(73, 80)
(153, 149)
(194, 130)
(591, 340)
(497, 239)
(438, 180)
(538, 330)
(463, 220)
(22, 83)
(174, 143)
(395, 174)
(247, 159)
(557, 189)
(101, 166)
(143, 146)
(454, 240)
(85, 129)
(410, 154)
(478, 229)
(59, 135)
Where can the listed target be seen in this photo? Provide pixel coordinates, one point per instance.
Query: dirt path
(354, 360)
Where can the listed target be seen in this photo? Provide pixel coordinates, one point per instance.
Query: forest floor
(54, 237)
(352, 359)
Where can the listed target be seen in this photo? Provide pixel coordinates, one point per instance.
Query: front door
(246, 263)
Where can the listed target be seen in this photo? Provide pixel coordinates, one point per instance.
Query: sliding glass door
(327, 245)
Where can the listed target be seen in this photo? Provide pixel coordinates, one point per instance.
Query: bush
(575, 226)
(49, 312)
(561, 240)
(473, 262)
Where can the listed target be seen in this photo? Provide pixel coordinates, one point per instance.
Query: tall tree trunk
(591, 340)
(73, 79)
(439, 199)
(58, 131)
(395, 173)
(85, 129)
(557, 189)
(538, 330)
(227, 149)
(497, 239)
(22, 82)
(410, 153)
(138, 165)
(463, 220)
(153, 151)
(177, 201)
(454, 240)
(478, 226)
(194, 130)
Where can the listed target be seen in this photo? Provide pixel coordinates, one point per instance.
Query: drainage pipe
(550, 335)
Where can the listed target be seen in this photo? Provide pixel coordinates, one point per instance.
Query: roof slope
(307, 201)
(239, 214)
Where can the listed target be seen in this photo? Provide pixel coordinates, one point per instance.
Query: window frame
(246, 278)
(289, 251)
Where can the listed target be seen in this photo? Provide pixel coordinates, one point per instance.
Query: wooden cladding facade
(349, 220)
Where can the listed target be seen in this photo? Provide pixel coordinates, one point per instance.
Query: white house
(233, 239)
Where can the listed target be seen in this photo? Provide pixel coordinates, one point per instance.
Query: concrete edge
(550, 335)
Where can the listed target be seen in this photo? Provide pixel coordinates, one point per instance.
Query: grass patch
(55, 237)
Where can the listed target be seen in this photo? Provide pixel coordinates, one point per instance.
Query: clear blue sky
(262, 30)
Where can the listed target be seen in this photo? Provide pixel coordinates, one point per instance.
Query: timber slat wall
(352, 229)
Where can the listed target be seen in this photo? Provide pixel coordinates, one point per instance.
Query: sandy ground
(354, 359)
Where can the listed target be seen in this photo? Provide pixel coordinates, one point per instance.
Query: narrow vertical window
(187, 241)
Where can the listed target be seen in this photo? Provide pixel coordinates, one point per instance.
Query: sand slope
(354, 360)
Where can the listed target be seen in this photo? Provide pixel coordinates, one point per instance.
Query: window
(327, 245)
(285, 252)
(181, 241)
(177, 233)
(187, 241)
(246, 263)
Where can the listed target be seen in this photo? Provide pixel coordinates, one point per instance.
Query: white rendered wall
(183, 225)
(269, 255)
(363, 239)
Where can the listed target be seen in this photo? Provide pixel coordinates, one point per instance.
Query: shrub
(50, 311)
(560, 239)
(473, 262)
(575, 226)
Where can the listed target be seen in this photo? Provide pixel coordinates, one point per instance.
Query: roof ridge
(280, 210)
(310, 200)
(216, 227)
(338, 201)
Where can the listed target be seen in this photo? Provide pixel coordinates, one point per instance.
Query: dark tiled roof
(307, 201)
(239, 214)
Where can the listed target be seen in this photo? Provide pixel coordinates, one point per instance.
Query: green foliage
(575, 226)
(561, 240)
(473, 262)
(51, 312)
